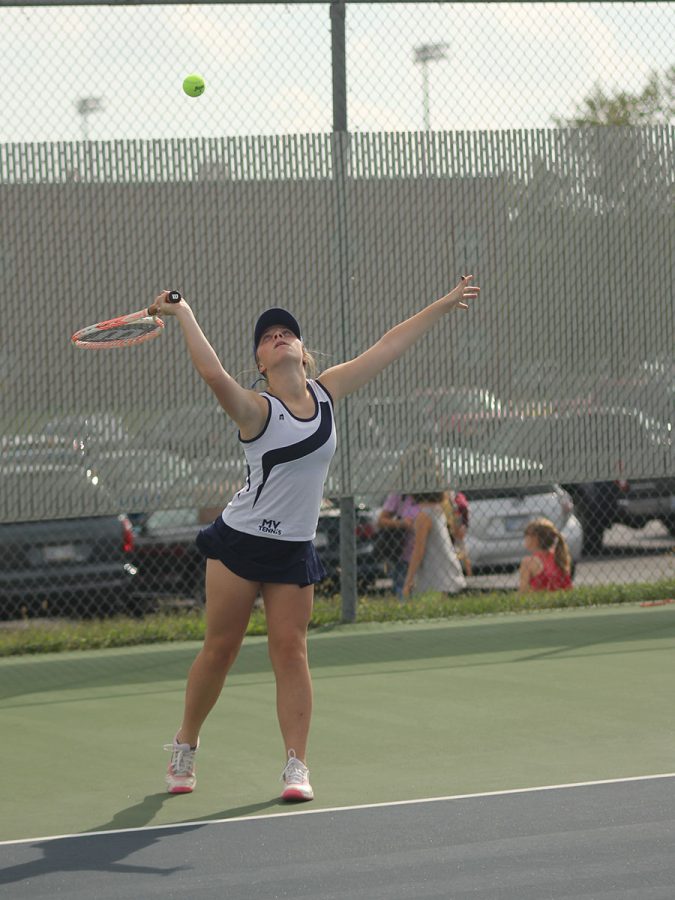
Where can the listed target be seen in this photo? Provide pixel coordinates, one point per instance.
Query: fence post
(348, 558)
(340, 175)
(338, 64)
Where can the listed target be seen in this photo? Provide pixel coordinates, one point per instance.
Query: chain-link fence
(114, 72)
(552, 399)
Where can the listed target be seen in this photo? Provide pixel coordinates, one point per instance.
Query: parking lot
(168, 570)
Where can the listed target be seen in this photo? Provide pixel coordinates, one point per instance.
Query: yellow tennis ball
(194, 85)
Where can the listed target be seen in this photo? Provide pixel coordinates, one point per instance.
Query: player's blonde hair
(549, 538)
(309, 363)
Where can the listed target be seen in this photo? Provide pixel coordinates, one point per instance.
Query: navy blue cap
(274, 316)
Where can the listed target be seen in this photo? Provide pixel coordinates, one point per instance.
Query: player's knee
(220, 653)
(288, 650)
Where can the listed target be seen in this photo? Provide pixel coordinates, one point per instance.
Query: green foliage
(653, 105)
(52, 636)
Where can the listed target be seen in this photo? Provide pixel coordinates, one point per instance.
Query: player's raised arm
(245, 407)
(348, 377)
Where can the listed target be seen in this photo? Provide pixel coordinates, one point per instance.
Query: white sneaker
(180, 776)
(296, 778)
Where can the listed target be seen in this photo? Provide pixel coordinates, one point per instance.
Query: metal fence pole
(348, 558)
(340, 174)
(338, 64)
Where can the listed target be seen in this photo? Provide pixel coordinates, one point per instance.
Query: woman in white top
(260, 543)
(434, 565)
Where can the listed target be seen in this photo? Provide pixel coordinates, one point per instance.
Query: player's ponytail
(309, 363)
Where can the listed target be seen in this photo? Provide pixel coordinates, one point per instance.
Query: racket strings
(119, 334)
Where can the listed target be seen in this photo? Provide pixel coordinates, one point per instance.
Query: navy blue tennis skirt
(261, 558)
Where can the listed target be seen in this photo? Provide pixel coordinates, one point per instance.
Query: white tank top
(287, 467)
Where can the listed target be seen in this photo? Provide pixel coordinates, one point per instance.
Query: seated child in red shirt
(548, 565)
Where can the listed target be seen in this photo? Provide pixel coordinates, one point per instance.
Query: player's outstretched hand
(463, 294)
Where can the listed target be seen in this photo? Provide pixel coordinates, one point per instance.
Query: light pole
(85, 107)
(424, 54)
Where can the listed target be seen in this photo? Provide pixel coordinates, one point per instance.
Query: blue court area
(508, 757)
(611, 840)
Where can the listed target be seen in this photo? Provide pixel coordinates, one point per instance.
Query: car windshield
(54, 490)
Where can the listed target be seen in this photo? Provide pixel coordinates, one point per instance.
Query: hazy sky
(267, 68)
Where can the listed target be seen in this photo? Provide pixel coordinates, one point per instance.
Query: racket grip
(171, 297)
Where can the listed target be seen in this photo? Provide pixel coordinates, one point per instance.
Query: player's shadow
(103, 852)
(141, 814)
(106, 847)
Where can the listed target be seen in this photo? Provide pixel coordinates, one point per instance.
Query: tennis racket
(124, 331)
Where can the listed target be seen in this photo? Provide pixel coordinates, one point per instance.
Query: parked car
(498, 517)
(101, 429)
(34, 449)
(369, 568)
(618, 439)
(643, 499)
(451, 414)
(601, 504)
(193, 431)
(68, 440)
(63, 566)
(646, 389)
(165, 553)
(142, 479)
(640, 441)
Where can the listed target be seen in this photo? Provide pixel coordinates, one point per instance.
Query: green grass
(51, 636)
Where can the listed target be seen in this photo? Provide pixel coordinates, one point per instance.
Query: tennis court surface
(430, 748)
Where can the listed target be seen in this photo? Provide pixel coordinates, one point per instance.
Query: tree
(654, 105)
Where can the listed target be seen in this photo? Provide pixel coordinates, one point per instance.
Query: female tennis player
(262, 542)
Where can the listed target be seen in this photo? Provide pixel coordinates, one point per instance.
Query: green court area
(402, 711)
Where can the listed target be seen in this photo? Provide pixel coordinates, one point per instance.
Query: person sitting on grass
(433, 565)
(549, 564)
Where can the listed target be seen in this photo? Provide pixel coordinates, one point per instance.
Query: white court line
(336, 809)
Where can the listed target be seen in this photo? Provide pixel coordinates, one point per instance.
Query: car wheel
(135, 605)
(593, 532)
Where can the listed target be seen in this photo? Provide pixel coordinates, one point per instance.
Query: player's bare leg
(288, 609)
(229, 601)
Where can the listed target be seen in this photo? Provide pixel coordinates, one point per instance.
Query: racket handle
(171, 297)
